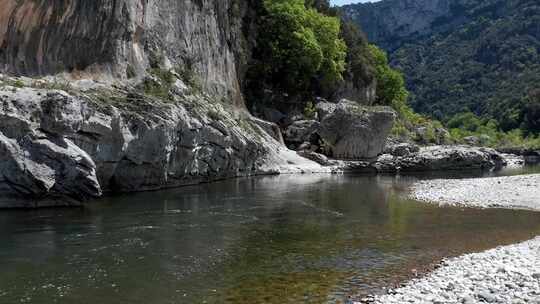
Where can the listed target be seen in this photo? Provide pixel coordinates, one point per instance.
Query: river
(281, 239)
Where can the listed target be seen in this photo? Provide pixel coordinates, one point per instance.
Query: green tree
(299, 45)
(531, 112)
(390, 83)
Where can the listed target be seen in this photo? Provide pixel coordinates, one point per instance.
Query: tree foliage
(299, 45)
(391, 89)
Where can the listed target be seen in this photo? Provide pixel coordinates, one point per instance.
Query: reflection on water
(288, 239)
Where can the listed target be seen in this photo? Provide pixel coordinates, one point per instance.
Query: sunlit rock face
(390, 21)
(123, 38)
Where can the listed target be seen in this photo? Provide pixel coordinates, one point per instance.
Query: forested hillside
(479, 56)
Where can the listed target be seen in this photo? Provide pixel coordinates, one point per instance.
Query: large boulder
(353, 131)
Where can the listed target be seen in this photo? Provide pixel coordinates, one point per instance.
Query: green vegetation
(391, 89)
(489, 65)
(487, 132)
(478, 71)
(298, 46)
(159, 84)
(310, 111)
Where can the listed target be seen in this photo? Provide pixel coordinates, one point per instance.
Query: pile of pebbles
(508, 274)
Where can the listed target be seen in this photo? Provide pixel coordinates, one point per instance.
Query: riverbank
(507, 274)
(511, 192)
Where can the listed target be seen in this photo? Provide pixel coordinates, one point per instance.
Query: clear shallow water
(287, 239)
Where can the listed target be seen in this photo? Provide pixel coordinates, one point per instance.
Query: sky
(342, 2)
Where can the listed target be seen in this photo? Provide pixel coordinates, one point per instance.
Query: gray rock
(44, 167)
(316, 157)
(472, 140)
(204, 38)
(273, 115)
(325, 108)
(60, 148)
(353, 131)
(442, 158)
(401, 149)
(302, 131)
(271, 128)
(487, 297)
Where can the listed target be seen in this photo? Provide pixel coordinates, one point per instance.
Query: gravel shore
(512, 192)
(507, 274)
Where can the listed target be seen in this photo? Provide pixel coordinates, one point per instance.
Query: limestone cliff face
(388, 22)
(122, 38)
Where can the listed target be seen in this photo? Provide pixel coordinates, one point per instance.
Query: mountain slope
(465, 55)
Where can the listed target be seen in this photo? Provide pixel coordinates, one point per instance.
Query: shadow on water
(285, 239)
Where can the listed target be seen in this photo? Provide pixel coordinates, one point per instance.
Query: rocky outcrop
(352, 131)
(411, 158)
(439, 158)
(61, 148)
(123, 38)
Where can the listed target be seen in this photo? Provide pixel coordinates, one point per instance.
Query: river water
(283, 239)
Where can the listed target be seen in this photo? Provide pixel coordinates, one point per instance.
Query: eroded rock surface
(123, 38)
(353, 131)
(60, 145)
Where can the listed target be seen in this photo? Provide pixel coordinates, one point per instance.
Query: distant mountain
(460, 55)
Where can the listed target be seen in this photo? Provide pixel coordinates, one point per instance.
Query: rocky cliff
(390, 23)
(121, 39)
